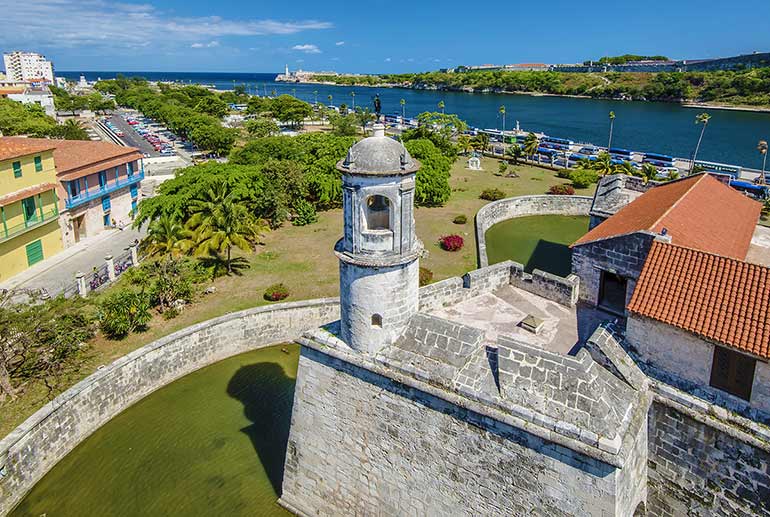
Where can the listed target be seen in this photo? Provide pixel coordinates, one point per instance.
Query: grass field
(538, 242)
(302, 258)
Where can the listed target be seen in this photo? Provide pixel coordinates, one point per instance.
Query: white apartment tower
(27, 67)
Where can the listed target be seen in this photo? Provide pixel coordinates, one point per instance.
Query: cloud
(307, 48)
(388, 60)
(210, 44)
(340, 43)
(107, 25)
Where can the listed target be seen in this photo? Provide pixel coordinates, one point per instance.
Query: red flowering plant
(451, 242)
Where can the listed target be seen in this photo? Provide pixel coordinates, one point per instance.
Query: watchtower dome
(379, 252)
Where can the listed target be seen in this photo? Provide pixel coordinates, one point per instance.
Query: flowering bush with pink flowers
(451, 242)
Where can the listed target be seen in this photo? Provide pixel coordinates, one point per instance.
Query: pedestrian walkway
(58, 272)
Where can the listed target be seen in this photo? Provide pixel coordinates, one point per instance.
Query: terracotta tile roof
(78, 158)
(698, 212)
(719, 298)
(14, 147)
(25, 193)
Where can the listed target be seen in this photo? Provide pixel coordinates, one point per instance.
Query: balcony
(96, 192)
(8, 232)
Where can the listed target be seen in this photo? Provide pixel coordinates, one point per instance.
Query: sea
(666, 128)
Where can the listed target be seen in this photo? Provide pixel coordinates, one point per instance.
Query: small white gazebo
(474, 163)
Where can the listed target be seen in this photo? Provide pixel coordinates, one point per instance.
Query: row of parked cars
(115, 129)
(160, 139)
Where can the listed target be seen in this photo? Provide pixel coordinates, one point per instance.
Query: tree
(480, 142)
(364, 116)
(762, 148)
(501, 110)
(71, 129)
(612, 126)
(165, 237)
(24, 119)
(432, 182)
(330, 97)
(213, 106)
(219, 223)
(648, 172)
(515, 152)
(343, 125)
(402, 102)
(214, 138)
(531, 144)
(603, 164)
(289, 109)
(261, 127)
(703, 118)
(464, 144)
(441, 106)
(353, 97)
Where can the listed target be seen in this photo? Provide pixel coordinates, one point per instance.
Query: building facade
(28, 67)
(29, 205)
(39, 95)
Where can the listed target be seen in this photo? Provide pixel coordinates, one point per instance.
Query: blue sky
(371, 36)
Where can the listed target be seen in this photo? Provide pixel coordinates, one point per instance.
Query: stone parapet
(34, 447)
(521, 206)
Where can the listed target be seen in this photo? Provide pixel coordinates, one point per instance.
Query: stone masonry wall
(624, 255)
(510, 208)
(363, 444)
(697, 469)
(47, 436)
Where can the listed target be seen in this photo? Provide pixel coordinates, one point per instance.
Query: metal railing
(95, 192)
(7, 232)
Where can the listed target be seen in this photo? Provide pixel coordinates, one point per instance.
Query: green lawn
(537, 242)
(302, 258)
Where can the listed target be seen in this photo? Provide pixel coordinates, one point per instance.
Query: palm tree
(273, 92)
(315, 96)
(441, 106)
(353, 96)
(762, 148)
(625, 168)
(515, 152)
(218, 223)
(502, 113)
(403, 104)
(330, 98)
(703, 118)
(531, 144)
(603, 164)
(165, 236)
(464, 143)
(612, 126)
(648, 172)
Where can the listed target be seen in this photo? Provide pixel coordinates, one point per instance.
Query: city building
(99, 186)
(28, 67)
(28, 204)
(500, 393)
(40, 95)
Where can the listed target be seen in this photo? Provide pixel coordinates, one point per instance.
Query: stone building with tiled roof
(98, 184)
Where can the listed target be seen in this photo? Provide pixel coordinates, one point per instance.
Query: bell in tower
(379, 252)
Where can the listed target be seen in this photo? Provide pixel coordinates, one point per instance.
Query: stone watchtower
(379, 267)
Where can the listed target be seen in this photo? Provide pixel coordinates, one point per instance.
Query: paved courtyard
(501, 314)
(759, 251)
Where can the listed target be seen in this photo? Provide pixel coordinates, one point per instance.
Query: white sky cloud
(387, 60)
(307, 48)
(340, 43)
(210, 44)
(78, 23)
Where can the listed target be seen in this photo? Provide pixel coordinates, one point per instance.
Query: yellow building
(29, 208)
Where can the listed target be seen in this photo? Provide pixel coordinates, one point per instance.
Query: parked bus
(554, 140)
(752, 189)
(659, 160)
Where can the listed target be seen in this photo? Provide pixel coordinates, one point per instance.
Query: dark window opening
(377, 213)
(612, 292)
(376, 320)
(733, 372)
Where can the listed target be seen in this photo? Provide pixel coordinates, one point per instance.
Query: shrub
(582, 178)
(451, 242)
(426, 276)
(564, 174)
(460, 219)
(276, 292)
(492, 194)
(561, 190)
(306, 213)
(123, 312)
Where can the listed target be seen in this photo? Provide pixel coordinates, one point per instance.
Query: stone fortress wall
(51, 433)
(522, 206)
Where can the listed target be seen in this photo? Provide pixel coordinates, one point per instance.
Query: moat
(211, 443)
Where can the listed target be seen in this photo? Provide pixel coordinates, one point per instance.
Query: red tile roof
(25, 193)
(15, 147)
(698, 212)
(78, 158)
(719, 298)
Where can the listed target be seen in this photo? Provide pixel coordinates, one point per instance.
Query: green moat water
(538, 242)
(211, 443)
